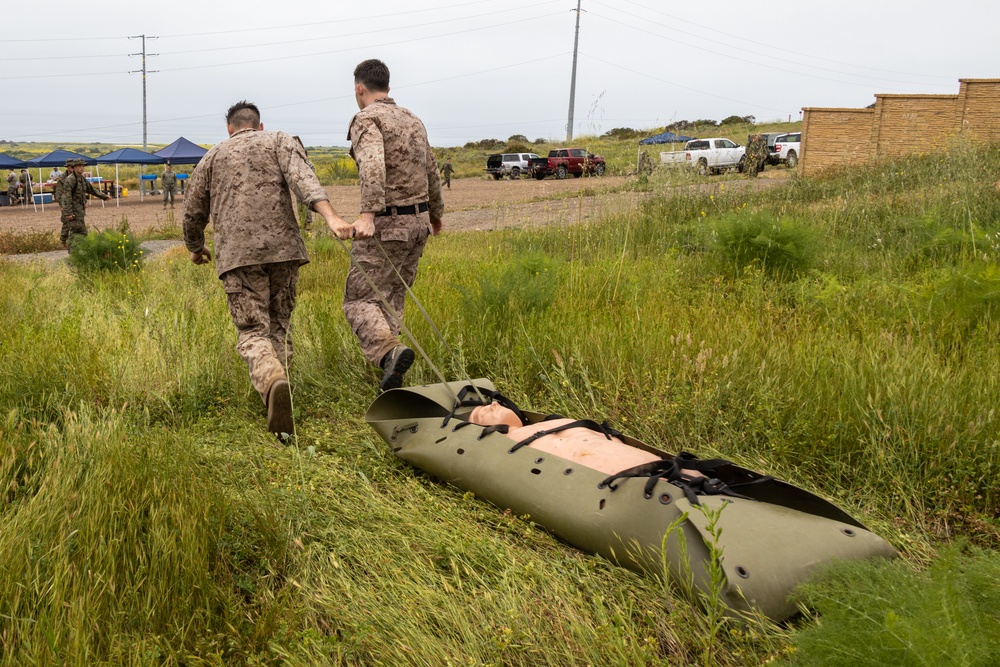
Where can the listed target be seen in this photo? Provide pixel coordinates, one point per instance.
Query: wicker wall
(899, 125)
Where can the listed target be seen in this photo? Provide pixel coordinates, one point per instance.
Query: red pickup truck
(564, 161)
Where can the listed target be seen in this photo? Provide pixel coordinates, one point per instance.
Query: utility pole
(144, 71)
(572, 80)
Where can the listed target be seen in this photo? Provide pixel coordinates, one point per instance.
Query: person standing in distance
(245, 184)
(401, 205)
(73, 191)
(169, 181)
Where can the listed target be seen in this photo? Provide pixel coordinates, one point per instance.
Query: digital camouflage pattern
(73, 191)
(403, 238)
(395, 164)
(244, 184)
(169, 183)
(12, 187)
(261, 299)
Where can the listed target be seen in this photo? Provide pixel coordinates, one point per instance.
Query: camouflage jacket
(11, 180)
(243, 185)
(395, 164)
(447, 169)
(73, 192)
(168, 179)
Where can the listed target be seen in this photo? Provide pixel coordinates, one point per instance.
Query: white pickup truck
(707, 156)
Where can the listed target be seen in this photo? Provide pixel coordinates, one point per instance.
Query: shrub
(963, 298)
(18, 243)
(517, 138)
(528, 283)
(516, 148)
(783, 248)
(108, 250)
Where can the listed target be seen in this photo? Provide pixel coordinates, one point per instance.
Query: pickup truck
(564, 161)
(708, 156)
(788, 148)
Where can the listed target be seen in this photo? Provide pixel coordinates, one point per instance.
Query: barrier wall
(899, 125)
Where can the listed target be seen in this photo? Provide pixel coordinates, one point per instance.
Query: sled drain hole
(742, 572)
(568, 471)
(600, 506)
(536, 471)
(665, 498)
(539, 460)
(460, 451)
(440, 440)
(847, 531)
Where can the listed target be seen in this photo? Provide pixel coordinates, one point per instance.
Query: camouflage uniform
(396, 169)
(447, 170)
(243, 184)
(12, 187)
(169, 181)
(756, 156)
(73, 193)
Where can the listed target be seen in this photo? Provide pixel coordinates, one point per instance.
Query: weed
(105, 251)
(783, 248)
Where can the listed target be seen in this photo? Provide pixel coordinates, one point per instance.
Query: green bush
(962, 298)
(528, 283)
(108, 250)
(784, 247)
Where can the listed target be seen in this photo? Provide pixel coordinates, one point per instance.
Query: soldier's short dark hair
(373, 74)
(243, 114)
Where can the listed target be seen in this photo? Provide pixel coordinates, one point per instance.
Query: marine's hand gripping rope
(402, 325)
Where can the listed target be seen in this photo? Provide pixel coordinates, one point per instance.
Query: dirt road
(471, 203)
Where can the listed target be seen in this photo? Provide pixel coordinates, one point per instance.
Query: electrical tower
(144, 71)
(572, 80)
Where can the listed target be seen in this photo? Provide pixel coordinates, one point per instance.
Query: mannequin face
(494, 414)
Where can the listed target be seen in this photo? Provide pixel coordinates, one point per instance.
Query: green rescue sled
(649, 518)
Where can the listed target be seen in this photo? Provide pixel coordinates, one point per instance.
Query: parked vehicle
(787, 146)
(509, 164)
(707, 156)
(770, 137)
(562, 162)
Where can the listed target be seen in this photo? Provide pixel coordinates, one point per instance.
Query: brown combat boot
(279, 409)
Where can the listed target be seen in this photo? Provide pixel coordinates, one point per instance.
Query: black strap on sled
(673, 471)
(603, 428)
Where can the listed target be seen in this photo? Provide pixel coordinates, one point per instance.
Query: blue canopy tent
(128, 156)
(181, 151)
(56, 158)
(661, 138)
(8, 162)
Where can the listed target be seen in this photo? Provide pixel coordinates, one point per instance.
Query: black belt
(402, 210)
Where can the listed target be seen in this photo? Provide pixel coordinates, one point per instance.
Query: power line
(764, 44)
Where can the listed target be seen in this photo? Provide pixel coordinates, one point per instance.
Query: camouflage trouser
(12, 195)
(261, 299)
(169, 191)
(403, 238)
(447, 181)
(71, 227)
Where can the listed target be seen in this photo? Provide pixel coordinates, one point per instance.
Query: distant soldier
(61, 181)
(12, 188)
(73, 201)
(25, 180)
(756, 156)
(446, 171)
(169, 180)
(645, 164)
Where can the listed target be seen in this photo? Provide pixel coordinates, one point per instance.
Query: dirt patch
(471, 203)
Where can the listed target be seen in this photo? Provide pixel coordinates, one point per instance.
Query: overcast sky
(471, 69)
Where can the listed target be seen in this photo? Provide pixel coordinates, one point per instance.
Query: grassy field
(836, 332)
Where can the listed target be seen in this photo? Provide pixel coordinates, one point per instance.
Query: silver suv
(508, 164)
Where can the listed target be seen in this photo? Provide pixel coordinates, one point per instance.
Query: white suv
(787, 148)
(508, 164)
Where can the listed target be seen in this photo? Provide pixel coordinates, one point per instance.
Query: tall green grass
(149, 519)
